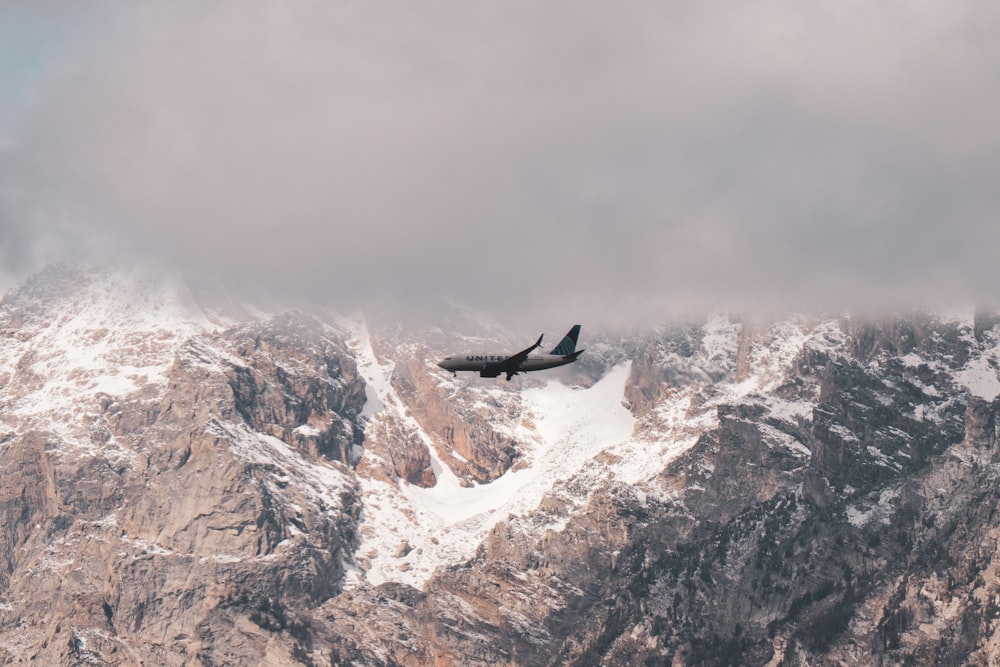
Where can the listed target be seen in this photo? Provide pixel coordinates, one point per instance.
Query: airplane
(494, 365)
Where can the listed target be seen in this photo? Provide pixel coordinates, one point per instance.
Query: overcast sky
(591, 161)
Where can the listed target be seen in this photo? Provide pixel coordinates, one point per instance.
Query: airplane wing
(514, 360)
(512, 364)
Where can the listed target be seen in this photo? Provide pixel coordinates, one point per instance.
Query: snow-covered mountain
(186, 483)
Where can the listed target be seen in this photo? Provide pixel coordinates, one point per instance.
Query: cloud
(557, 160)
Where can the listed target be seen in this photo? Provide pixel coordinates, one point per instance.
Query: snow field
(118, 333)
(408, 532)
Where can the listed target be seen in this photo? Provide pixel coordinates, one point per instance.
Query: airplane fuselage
(481, 362)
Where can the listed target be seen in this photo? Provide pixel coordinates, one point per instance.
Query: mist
(557, 160)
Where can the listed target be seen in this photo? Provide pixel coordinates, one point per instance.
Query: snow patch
(881, 511)
(720, 339)
(378, 387)
(571, 426)
(116, 334)
(790, 411)
(979, 377)
(563, 428)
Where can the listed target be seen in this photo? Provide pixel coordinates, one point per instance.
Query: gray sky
(589, 161)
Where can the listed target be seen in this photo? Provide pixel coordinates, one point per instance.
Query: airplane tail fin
(568, 344)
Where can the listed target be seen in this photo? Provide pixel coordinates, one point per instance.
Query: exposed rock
(744, 346)
(399, 451)
(172, 525)
(984, 321)
(484, 452)
(664, 362)
(980, 425)
(296, 384)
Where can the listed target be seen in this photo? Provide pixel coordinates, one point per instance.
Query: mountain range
(189, 479)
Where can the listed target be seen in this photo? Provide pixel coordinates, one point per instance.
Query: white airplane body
(494, 365)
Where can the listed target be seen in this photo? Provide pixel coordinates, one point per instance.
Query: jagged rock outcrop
(755, 452)
(169, 523)
(396, 452)
(981, 425)
(744, 347)
(297, 384)
(484, 451)
(678, 357)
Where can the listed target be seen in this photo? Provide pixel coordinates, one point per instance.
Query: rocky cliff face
(185, 487)
(174, 515)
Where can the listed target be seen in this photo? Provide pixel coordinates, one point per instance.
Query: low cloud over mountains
(536, 159)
